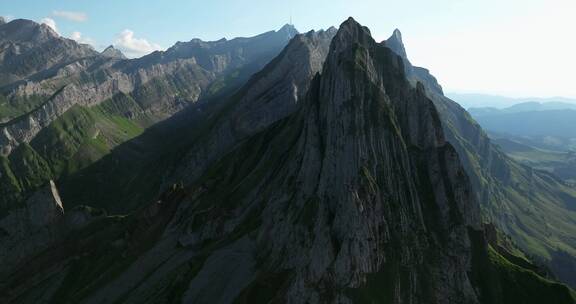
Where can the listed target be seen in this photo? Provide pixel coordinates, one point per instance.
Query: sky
(517, 48)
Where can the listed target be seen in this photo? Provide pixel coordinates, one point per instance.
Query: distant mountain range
(523, 107)
(283, 168)
(550, 125)
(541, 135)
(494, 101)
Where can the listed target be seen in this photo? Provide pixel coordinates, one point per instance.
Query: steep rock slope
(533, 207)
(354, 198)
(163, 156)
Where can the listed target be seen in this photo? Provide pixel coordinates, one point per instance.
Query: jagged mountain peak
(289, 29)
(48, 30)
(23, 30)
(396, 44)
(350, 31)
(113, 52)
(332, 28)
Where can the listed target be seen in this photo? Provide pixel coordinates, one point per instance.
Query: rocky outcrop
(30, 229)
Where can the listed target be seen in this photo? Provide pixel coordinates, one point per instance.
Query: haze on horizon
(513, 48)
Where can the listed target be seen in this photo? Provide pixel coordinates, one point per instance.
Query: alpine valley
(318, 167)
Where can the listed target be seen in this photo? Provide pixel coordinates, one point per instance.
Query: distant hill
(494, 101)
(544, 124)
(560, 163)
(531, 106)
(541, 135)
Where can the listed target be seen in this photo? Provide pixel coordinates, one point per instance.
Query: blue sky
(513, 47)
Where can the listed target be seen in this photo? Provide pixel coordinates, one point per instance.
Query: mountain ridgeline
(64, 106)
(337, 173)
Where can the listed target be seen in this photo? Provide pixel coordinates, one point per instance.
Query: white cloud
(134, 47)
(50, 22)
(81, 39)
(72, 16)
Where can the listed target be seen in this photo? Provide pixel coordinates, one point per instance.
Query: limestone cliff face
(359, 183)
(383, 192)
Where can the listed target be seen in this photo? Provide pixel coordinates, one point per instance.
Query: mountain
(114, 164)
(534, 208)
(484, 100)
(112, 52)
(28, 48)
(544, 125)
(539, 135)
(353, 197)
(539, 123)
(73, 108)
(559, 163)
(523, 107)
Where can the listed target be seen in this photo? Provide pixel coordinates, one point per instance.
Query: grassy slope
(516, 284)
(535, 208)
(11, 108)
(560, 163)
(72, 142)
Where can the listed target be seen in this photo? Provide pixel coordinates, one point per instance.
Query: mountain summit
(396, 44)
(289, 30)
(112, 52)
